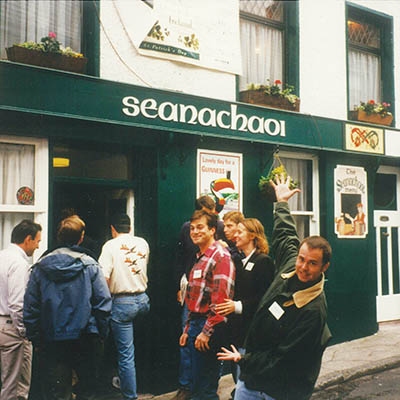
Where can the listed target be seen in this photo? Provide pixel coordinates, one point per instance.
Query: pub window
(369, 57)
(23, 185)
(22, 21)
(303, 168)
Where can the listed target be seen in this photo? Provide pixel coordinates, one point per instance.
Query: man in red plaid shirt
(211, 281)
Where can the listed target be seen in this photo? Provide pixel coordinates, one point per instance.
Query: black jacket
(284, 352)
(252, 281)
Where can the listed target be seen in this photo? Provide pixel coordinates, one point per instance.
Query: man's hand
(183, 339)
(201, 342)
(282, 191)
(228, 355)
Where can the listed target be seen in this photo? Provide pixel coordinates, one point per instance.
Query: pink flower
(52, 35)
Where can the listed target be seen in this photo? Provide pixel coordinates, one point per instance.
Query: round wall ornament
(25, 195)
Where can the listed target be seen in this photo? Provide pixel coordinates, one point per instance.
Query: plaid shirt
(211, 281)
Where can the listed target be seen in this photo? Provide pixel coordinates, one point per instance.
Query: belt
(126, 294)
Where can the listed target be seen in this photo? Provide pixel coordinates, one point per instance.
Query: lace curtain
(364, 78)
(262, 53)
(19, 162)
(26, 20)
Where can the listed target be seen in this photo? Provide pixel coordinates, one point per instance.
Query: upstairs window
(262, 31)
(370, 57)
(22, 21)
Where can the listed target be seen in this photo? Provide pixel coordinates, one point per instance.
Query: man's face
(230, 229)
(32, 244)
(200, 233)
(309, 264)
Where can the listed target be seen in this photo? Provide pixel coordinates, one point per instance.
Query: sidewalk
(344, 361)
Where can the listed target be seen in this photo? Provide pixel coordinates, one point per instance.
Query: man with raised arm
(288, 334)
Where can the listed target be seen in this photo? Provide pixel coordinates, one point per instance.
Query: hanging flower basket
(47, 60)
(360, 115)
(259, 97)
(264, 183)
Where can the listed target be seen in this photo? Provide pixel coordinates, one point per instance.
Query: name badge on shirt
(197, 274)
(276, 310)
(249, 266)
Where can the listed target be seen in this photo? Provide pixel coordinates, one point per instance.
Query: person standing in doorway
(124, 261)
(15, 349)
(66, 313)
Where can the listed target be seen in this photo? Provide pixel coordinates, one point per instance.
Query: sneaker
(182, 394)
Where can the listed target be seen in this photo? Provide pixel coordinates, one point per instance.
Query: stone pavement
(344, 361)
(341, 362)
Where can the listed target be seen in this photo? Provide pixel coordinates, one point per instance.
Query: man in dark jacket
(288, 334)
(66, 310)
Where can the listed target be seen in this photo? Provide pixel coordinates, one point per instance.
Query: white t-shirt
(124, 262)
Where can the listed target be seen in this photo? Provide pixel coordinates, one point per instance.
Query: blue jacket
(67, 296)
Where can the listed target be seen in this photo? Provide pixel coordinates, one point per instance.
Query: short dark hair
(25, 228)
(211, 218)
(70, 230)
(204, 202)
(319, 242)
(121, 222)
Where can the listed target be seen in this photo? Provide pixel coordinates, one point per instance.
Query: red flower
(371, 102)
(278, 82)
(52, 35)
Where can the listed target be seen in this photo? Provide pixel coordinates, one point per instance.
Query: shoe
(182, 394)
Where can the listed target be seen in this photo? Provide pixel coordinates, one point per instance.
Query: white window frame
(40, 208)
(313, 215)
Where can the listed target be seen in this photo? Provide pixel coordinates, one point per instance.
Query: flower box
(48, 60)
(259, 97)
(360, 115)
(264, 183)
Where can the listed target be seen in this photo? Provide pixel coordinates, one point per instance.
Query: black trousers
(58, 360)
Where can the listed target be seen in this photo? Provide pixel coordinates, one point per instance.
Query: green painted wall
(351, 284)
(165, 190)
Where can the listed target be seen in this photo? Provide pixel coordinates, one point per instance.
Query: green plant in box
(264, 183)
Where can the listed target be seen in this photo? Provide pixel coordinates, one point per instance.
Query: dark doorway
(94, 204)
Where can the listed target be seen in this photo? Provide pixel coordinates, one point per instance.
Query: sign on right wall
(351, 202)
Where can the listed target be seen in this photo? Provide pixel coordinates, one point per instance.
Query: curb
(352, 373)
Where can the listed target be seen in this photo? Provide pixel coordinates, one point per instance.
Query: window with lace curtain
(369, 57)
(262, 41)
(22, 21)
(303, 168)
(23, 184)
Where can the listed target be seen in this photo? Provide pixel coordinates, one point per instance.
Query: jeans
(184, 364)
(124, 310)
(202, 366)
(242, 393)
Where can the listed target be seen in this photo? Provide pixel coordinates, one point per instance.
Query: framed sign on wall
(351, 202)
(219, 175)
